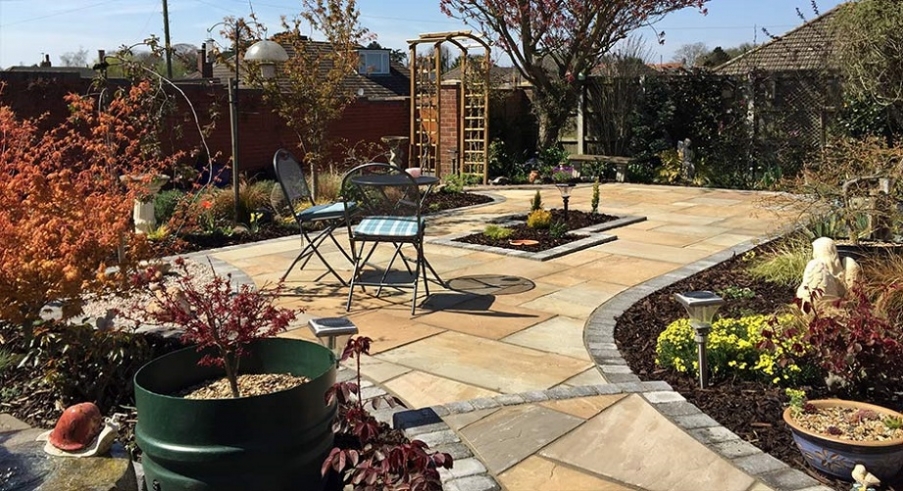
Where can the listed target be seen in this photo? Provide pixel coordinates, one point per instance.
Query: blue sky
(29, 28)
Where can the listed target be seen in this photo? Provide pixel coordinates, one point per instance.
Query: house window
(374, 62)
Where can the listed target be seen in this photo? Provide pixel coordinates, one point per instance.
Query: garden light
(701, 307)
(333, 333)
(266, 54)
(565, 189)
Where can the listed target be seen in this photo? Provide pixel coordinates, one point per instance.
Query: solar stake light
(333, 333)
(701, 306)
(565, 189)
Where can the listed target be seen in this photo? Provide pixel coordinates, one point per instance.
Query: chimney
(205, 68)
(46, 63)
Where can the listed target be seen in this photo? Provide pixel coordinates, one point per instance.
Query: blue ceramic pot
(837, 457)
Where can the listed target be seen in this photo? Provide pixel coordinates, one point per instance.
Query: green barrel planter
(271, 442)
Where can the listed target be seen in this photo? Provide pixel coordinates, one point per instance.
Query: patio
(511, 374)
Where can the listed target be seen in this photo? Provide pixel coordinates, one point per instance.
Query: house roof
(808, 47)
(395, 84)
(81, 72)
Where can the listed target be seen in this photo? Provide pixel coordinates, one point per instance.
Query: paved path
(524, 405)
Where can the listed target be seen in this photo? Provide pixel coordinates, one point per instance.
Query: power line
(58, 12)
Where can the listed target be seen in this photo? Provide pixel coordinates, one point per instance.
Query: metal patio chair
(388, 212)
(294, 187)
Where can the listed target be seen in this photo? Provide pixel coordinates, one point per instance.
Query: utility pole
(166, 40)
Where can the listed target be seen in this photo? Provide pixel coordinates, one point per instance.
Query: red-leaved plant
(216, 315)
(849, 337)
(377, 457)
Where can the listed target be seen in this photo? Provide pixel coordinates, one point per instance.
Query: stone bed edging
(600, 343)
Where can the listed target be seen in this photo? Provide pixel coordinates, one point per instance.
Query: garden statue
(685, 155)
(80, 432)
(826, 273)
(864, 480)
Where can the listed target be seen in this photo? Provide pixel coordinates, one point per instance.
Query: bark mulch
(576, 220)
(752, 410)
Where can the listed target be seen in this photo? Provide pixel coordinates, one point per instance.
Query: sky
(31, 28)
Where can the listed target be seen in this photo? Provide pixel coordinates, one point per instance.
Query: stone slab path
(506, 382)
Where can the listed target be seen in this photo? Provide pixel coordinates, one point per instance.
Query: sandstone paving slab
(623, 270)
(758, 486)
(539, 474)
(561, 335)
(481, 316)
(661, 236)
(729, 239)
(579, 258)
(589, 377)
(631, 442)
(577, 301)
(388, 331)
(460, 420)
(674, 217)
(583, 407)
(644, 225)
(419, 389)
(379, 371)
(539, 289)
(562, 279)
(513, 433)
(699, 231)
(654, 252)
(481, 362)
(712, 201)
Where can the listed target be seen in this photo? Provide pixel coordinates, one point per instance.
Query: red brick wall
(261, 132)
(448, 126)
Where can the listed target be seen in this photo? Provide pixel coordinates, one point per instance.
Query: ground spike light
(333, 333)
(701, 307)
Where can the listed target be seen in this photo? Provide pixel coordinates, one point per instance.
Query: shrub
(536, 202)
(853, 341)
(733, 349)
(558, 229)
(6, 360)
(594, 202)
(219, 316)
(377, 457)
(497, 232)
(62, 203)
(785, 264)
(165, 204)
(539, 219)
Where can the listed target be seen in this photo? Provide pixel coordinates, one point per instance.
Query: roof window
(374, 62)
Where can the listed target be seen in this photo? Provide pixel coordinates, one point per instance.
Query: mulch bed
(752, 410)
(576, 220)
(192, 242)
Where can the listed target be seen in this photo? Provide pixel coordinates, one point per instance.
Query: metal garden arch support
(468, 153)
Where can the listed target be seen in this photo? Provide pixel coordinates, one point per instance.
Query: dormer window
(374, 62)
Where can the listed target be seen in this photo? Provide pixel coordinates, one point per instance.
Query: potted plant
(835, 435)
(267, 426)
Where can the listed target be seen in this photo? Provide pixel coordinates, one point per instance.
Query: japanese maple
(64, 213)
(218, 316)
(553, 42)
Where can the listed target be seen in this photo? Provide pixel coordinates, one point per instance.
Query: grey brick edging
(598, 337)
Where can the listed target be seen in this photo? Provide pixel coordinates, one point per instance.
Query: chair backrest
(291, 179)
(378, 189)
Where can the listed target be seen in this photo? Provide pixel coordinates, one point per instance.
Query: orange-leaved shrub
(64, 212)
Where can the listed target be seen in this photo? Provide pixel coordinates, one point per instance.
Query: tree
(691, 54)
(551, 42)
(717, 57)
(311, 90)
(75, 58)
(868, 37)
(739, 49)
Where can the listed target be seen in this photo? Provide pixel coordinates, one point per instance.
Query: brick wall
(261, 132)
(450, 117)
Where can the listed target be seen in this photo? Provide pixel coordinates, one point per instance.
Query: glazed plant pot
(836, 456)
(269, 442)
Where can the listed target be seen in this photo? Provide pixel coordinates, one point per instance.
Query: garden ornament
(826, 273)
(865, 480)
(80, 432)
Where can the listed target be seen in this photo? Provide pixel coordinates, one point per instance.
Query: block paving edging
(600, 343)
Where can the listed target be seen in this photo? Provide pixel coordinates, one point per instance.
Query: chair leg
(312, 248)
(357, 271)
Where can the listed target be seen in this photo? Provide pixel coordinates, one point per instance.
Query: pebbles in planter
(248, 385)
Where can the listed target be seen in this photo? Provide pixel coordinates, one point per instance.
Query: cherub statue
(826, 273)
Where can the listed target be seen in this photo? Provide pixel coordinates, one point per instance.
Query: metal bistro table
(389, 180)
